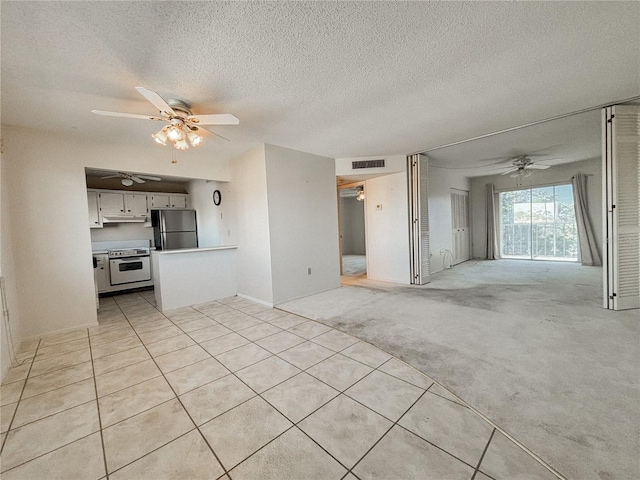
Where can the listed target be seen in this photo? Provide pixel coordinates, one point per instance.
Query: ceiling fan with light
(522, 166)
(129, 178)
(183, 126)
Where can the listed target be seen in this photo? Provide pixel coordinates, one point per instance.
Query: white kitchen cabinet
(111, 203)
(159, 201)
(178, 201)
(135, 203)
(169, 201)
(94, 210)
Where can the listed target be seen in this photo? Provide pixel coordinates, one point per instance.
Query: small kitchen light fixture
(127, 182)
(360, 194)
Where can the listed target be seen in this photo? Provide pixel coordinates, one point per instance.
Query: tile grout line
(465, 404)
(177, 397)
(486, 447)
(334, 353)
(388, 430)
(13, 417)
(296, 423)
(95, 388)
(436, 446)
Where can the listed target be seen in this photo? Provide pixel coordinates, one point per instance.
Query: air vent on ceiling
(368, 164)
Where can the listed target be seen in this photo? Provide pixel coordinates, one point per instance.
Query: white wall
(441, 181)
(45, 190)
(122, 231)
(387, 228)
(556, 174)
(249, 187)
(217, 225)
(303, 223)
(352, 226)
(6, 269)
(185, 278)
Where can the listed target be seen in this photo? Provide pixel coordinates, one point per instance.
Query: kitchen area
(172, 235)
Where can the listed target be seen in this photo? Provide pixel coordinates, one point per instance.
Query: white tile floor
(232, 389)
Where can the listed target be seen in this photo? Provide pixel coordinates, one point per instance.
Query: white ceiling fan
(129, 178)
(522, 166)
(183, 126)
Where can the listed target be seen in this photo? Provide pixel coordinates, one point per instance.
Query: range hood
(124, 218)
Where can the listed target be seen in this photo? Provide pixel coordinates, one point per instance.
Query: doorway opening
(539, 224)
(353, 244)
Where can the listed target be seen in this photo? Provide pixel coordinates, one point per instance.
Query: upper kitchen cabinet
(111, 203)
(159, 201)
(135, 203)
(168, 201)
(94, 210)
(178, 201)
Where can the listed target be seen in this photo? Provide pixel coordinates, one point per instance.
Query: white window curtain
(492, 237)
(588, 251)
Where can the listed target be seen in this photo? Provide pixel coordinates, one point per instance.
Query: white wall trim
(255, 300)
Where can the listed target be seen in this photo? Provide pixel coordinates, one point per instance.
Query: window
(538, 224)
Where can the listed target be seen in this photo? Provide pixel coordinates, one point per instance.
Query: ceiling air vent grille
(368, 164)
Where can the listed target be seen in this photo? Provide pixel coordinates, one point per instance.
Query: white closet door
(622, 197)
(460, 226)
(418, 170)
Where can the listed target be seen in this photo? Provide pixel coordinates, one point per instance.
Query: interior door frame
(345, 186)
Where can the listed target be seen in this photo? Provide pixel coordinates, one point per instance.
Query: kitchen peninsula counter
(193, 275)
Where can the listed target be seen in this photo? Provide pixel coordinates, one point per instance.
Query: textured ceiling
(340, 79)
(564, 140)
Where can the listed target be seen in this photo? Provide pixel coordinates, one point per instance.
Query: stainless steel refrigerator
(174, 229)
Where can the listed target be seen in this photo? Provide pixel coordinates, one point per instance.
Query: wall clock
(217, 197)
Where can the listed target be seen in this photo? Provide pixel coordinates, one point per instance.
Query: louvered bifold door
(622, 197)
(418, 169)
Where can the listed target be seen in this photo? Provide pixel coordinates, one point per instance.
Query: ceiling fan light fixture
(181, 144)
(127, 182)
(194, 138)
(175, 133)
(160, 137)
(360, 195)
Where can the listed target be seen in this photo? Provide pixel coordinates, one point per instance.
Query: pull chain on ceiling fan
(183, 126)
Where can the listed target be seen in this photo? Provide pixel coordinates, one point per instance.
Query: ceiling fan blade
(147, 177)
(136, 179)
(117, 175)
(214, 119)
(217, 135)
(126, 115)
(156, 100)
(537, 166)
(511, 170)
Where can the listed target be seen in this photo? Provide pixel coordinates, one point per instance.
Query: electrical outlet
(309, 271)
(228, 233)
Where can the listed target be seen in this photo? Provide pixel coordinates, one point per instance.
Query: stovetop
(128, 252)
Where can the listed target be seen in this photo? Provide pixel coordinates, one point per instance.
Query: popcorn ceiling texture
(337, 79)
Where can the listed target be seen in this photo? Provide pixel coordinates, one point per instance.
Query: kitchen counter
(193, 275)
(191, 250)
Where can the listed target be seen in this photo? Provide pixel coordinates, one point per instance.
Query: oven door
(129, 270)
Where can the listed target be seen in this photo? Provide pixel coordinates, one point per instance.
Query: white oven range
(129, 265)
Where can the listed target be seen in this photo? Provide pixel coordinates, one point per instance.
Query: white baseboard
(256, 300)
